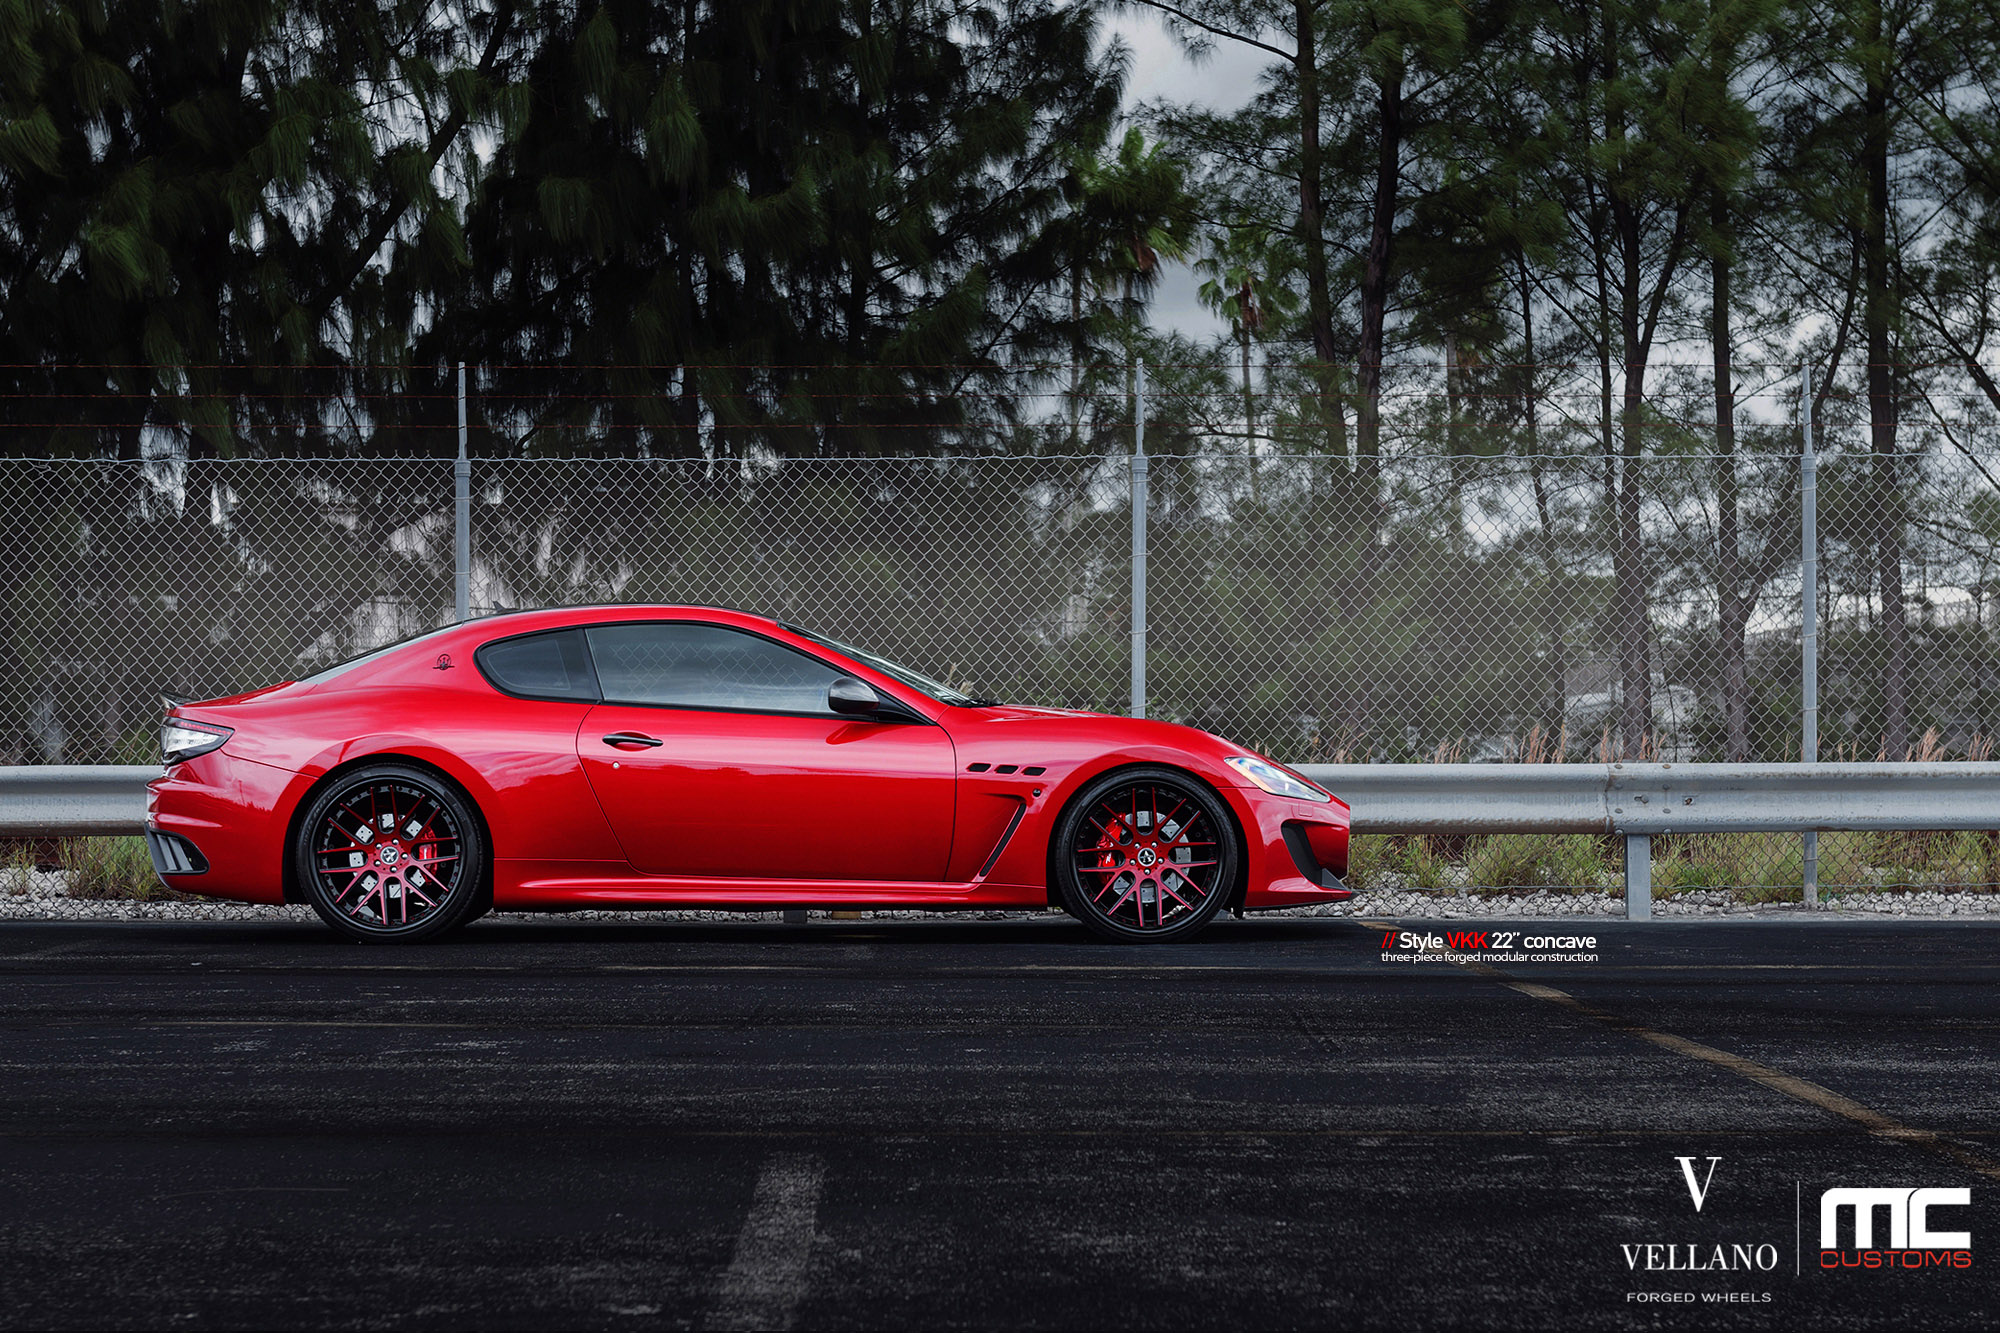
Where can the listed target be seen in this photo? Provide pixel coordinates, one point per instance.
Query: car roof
(511, 622)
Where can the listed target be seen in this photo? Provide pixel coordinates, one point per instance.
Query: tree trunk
(1732, 607)
(1375, 273)
(1629, 597)
(1878, 312)
(1249, 399)
(1552, 628)
(1312, 238)
(1075, 353)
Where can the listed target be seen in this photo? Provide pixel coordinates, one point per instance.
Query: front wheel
(391, 854)
(1145, 854)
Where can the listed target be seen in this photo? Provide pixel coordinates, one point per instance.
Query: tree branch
(1193, 22)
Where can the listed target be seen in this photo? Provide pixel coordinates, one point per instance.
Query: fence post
(1638, 877)
(1809, 615)
(461, 525)
(1141, 497)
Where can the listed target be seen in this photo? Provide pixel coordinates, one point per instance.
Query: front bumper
(1298, 850)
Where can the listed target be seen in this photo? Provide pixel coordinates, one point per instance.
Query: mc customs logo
(1911, 1239)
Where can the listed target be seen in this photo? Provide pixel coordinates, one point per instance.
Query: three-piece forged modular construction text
(633, 757)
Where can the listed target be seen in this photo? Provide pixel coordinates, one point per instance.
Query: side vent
(977, 768)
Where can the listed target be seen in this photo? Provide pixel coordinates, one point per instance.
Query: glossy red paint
(954, 807)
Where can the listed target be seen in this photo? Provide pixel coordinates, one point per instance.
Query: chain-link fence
(1529, 572)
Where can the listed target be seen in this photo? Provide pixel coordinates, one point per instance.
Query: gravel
(43, 898)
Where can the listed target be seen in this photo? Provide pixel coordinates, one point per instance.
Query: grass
(17, 873)
(113, 869)
(1749, 867)
(1506, 861)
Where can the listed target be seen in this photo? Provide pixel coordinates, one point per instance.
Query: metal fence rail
(1633, 801)
(74, 800)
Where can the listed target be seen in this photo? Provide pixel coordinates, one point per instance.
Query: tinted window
(704, 666)
(542, 666)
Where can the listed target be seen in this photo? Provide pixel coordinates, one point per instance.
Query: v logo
(1687, 1169)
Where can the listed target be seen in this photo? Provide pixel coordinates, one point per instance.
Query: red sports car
(666, 756)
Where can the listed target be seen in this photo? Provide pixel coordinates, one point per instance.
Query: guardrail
(74, 800)
(1641, 801)
(1634, 801)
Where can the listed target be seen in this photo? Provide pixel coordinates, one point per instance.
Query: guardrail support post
(1142, 487)
(1638, 877)
(1809, 615)
(461, 521)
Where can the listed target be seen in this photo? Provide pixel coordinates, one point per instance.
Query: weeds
(1422, 865)
(17, 874)
(1539, 861)
(113, 868)
(1369, 856)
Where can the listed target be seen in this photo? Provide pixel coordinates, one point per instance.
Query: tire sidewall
(460, 904)
(1077, 902)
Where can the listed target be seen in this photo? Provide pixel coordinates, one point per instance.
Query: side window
(540, 666)
(706, 666)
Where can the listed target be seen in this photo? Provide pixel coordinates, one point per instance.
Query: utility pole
(1809, 613)
(461, 526)
(1141, 498)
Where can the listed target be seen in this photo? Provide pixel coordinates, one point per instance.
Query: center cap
(1147, 856)
(389, 855)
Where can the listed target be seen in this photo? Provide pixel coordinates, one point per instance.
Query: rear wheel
(1146, 854)
(391, 854)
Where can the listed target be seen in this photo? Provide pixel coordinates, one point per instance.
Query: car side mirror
(853, 697)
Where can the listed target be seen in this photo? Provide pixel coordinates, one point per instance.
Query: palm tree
(1128, 212)
(1246, 285)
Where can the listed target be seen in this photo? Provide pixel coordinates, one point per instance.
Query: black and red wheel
(1146, 854)
(391, 853)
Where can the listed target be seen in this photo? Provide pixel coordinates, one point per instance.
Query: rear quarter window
(552, 665)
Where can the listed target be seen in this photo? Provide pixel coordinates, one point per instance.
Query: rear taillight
(181, 739)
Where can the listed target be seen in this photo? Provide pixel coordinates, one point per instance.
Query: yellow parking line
(1799, 1089)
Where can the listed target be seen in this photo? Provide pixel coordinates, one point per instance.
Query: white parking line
(766, 1277)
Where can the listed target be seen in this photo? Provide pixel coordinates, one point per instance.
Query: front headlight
(1278, 781)
(184, 740)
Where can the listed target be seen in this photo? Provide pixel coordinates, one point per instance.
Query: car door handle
(634, 738)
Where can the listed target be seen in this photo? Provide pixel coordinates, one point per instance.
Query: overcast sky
(1226, 79)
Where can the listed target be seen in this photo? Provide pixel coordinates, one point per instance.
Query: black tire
(391, 854)
(1145, 855)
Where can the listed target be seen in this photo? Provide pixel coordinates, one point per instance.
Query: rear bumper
(174, 855)
(215, 825)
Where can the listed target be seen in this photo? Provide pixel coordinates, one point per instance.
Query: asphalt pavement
(987, 1124)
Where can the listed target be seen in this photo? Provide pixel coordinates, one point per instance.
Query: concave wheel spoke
(437, 808)
(1145, 827)
(415, 857)
(1109, 885)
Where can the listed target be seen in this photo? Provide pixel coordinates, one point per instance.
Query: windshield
(937, 690)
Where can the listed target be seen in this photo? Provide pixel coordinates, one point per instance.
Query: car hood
(1032, 713)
